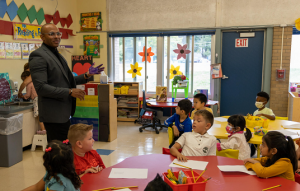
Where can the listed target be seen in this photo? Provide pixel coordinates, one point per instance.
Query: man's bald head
(49, 35)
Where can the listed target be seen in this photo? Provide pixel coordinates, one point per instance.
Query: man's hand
(78, 93)
(95, 70)
(176, 132)
(182, 158)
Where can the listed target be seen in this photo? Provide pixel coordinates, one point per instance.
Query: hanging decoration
(297, 24)
(149, 53)
(91, 45)
(3, 8)
(32, 14)
(181, 51)
(174, 71)
(12, 10)
(91, 21)
(135, 70)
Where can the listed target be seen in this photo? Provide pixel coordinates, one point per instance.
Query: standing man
(55, 84)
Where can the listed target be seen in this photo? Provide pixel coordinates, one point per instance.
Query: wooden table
(220, 133)
(159, 163)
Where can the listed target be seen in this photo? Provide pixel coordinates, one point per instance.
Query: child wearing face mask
(237, 139)
(262, 99)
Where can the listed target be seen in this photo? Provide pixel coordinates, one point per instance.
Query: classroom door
(242, 63)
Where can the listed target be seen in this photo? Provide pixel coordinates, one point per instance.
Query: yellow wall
(15, 67)
(94, 6)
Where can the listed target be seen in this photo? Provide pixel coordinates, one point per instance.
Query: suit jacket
(52, 85)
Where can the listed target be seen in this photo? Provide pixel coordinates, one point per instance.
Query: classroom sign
(91, 45)
(81, 64)
(26, 31)
(241, 42)
(91, 21)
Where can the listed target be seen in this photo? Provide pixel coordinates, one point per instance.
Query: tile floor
(130, 142)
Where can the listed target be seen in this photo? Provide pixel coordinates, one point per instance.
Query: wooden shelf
(126, 119)
(126, 94)
(129, 107)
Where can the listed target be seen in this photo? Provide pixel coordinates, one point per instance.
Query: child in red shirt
(86, 160)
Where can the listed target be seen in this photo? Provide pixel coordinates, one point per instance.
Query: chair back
(297, 178)
(281, 118)
(230, 153)
(144, 101)
(166, 151)
(171, 135)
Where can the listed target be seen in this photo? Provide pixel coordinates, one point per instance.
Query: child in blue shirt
(182, 122)
(60, 171)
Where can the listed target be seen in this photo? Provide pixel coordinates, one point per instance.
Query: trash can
(11, 139)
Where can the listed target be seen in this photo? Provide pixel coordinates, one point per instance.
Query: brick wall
(279, 89)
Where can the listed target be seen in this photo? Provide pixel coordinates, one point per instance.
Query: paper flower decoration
(297, 24)
(135, 70)
(174, 71)
(181, 51)
(149, 53)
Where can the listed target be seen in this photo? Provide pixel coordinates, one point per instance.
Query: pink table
(159, 163)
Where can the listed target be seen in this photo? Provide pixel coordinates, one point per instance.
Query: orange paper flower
(297, 24)
(149, 53)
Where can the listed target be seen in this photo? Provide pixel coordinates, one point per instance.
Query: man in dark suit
(55, 84)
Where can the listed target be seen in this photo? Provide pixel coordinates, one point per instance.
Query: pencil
(124, 187)
(207, 179)
(201, 175)
(110, 188)
(181, 165)
(193, 175)
(271, 187)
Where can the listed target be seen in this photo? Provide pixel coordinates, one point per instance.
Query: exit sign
(241, 42)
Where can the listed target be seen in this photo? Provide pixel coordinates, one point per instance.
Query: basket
(117, 90)
(124, 89)
(254, 121)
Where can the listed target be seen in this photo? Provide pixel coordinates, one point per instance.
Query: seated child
(158, 184)
(279, 157)
(182, 122)
(237, 139)
(262, 99)
(86, 160)
(31, 93)
(198, 142)
(60, 171)
(200, 101)
(298, 155)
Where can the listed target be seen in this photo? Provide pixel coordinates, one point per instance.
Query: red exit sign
(241, 42)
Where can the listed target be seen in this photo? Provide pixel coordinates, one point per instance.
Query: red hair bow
(49, 149)
(66, 141)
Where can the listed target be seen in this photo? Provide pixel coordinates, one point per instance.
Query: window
(295, 60)
(160, 58)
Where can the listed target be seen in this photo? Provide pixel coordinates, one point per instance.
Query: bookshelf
(132, 98)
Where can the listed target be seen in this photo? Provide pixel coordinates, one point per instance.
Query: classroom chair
(297, 178)
(155, 122)
(230, 153)
(39, 140)
(281, 118)
(170, 135)
(166, 151)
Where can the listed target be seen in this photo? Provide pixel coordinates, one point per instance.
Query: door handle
(224, 77)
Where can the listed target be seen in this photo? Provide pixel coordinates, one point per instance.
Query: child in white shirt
(237, 139)
(262, 99)
(198, 142)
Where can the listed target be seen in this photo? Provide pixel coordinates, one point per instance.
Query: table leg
(258, 151)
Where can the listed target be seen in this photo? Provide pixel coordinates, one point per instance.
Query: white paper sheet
(221, 119)
(138, 173)
(235, 168)
(294, 126)
(286, 132)
(216, 126)
(125, 189)
(198, 165)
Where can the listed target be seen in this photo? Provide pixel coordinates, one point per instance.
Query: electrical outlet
(15, 85)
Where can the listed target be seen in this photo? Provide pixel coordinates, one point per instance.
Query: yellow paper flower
(174, 71)
(135, 70)
(297, 24)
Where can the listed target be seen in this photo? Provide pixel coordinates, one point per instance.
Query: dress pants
(57, 131)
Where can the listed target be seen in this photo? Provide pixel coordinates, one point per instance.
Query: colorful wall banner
(27, 31)
(91, 21)
(9, 50)
(17, 50)
(2, 50)
(92, 45)
(25, 52)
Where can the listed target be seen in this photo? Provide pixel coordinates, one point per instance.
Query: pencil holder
(190, 185)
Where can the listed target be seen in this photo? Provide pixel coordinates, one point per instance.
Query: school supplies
(137, 173)
(253, 121)
(181, 177)
(193, 176)
(118, 188)
(206, 179)
(235, 168)
(201, 174)
(271, 187)
(258, 130)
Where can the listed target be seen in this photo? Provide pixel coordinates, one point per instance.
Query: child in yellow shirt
(200, 101)
(279, 157)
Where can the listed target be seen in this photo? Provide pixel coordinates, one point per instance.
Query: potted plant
(180, 80)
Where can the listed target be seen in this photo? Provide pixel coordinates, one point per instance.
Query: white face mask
(259, 104)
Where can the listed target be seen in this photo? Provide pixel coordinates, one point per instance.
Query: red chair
(166, 151)
(297, 178)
